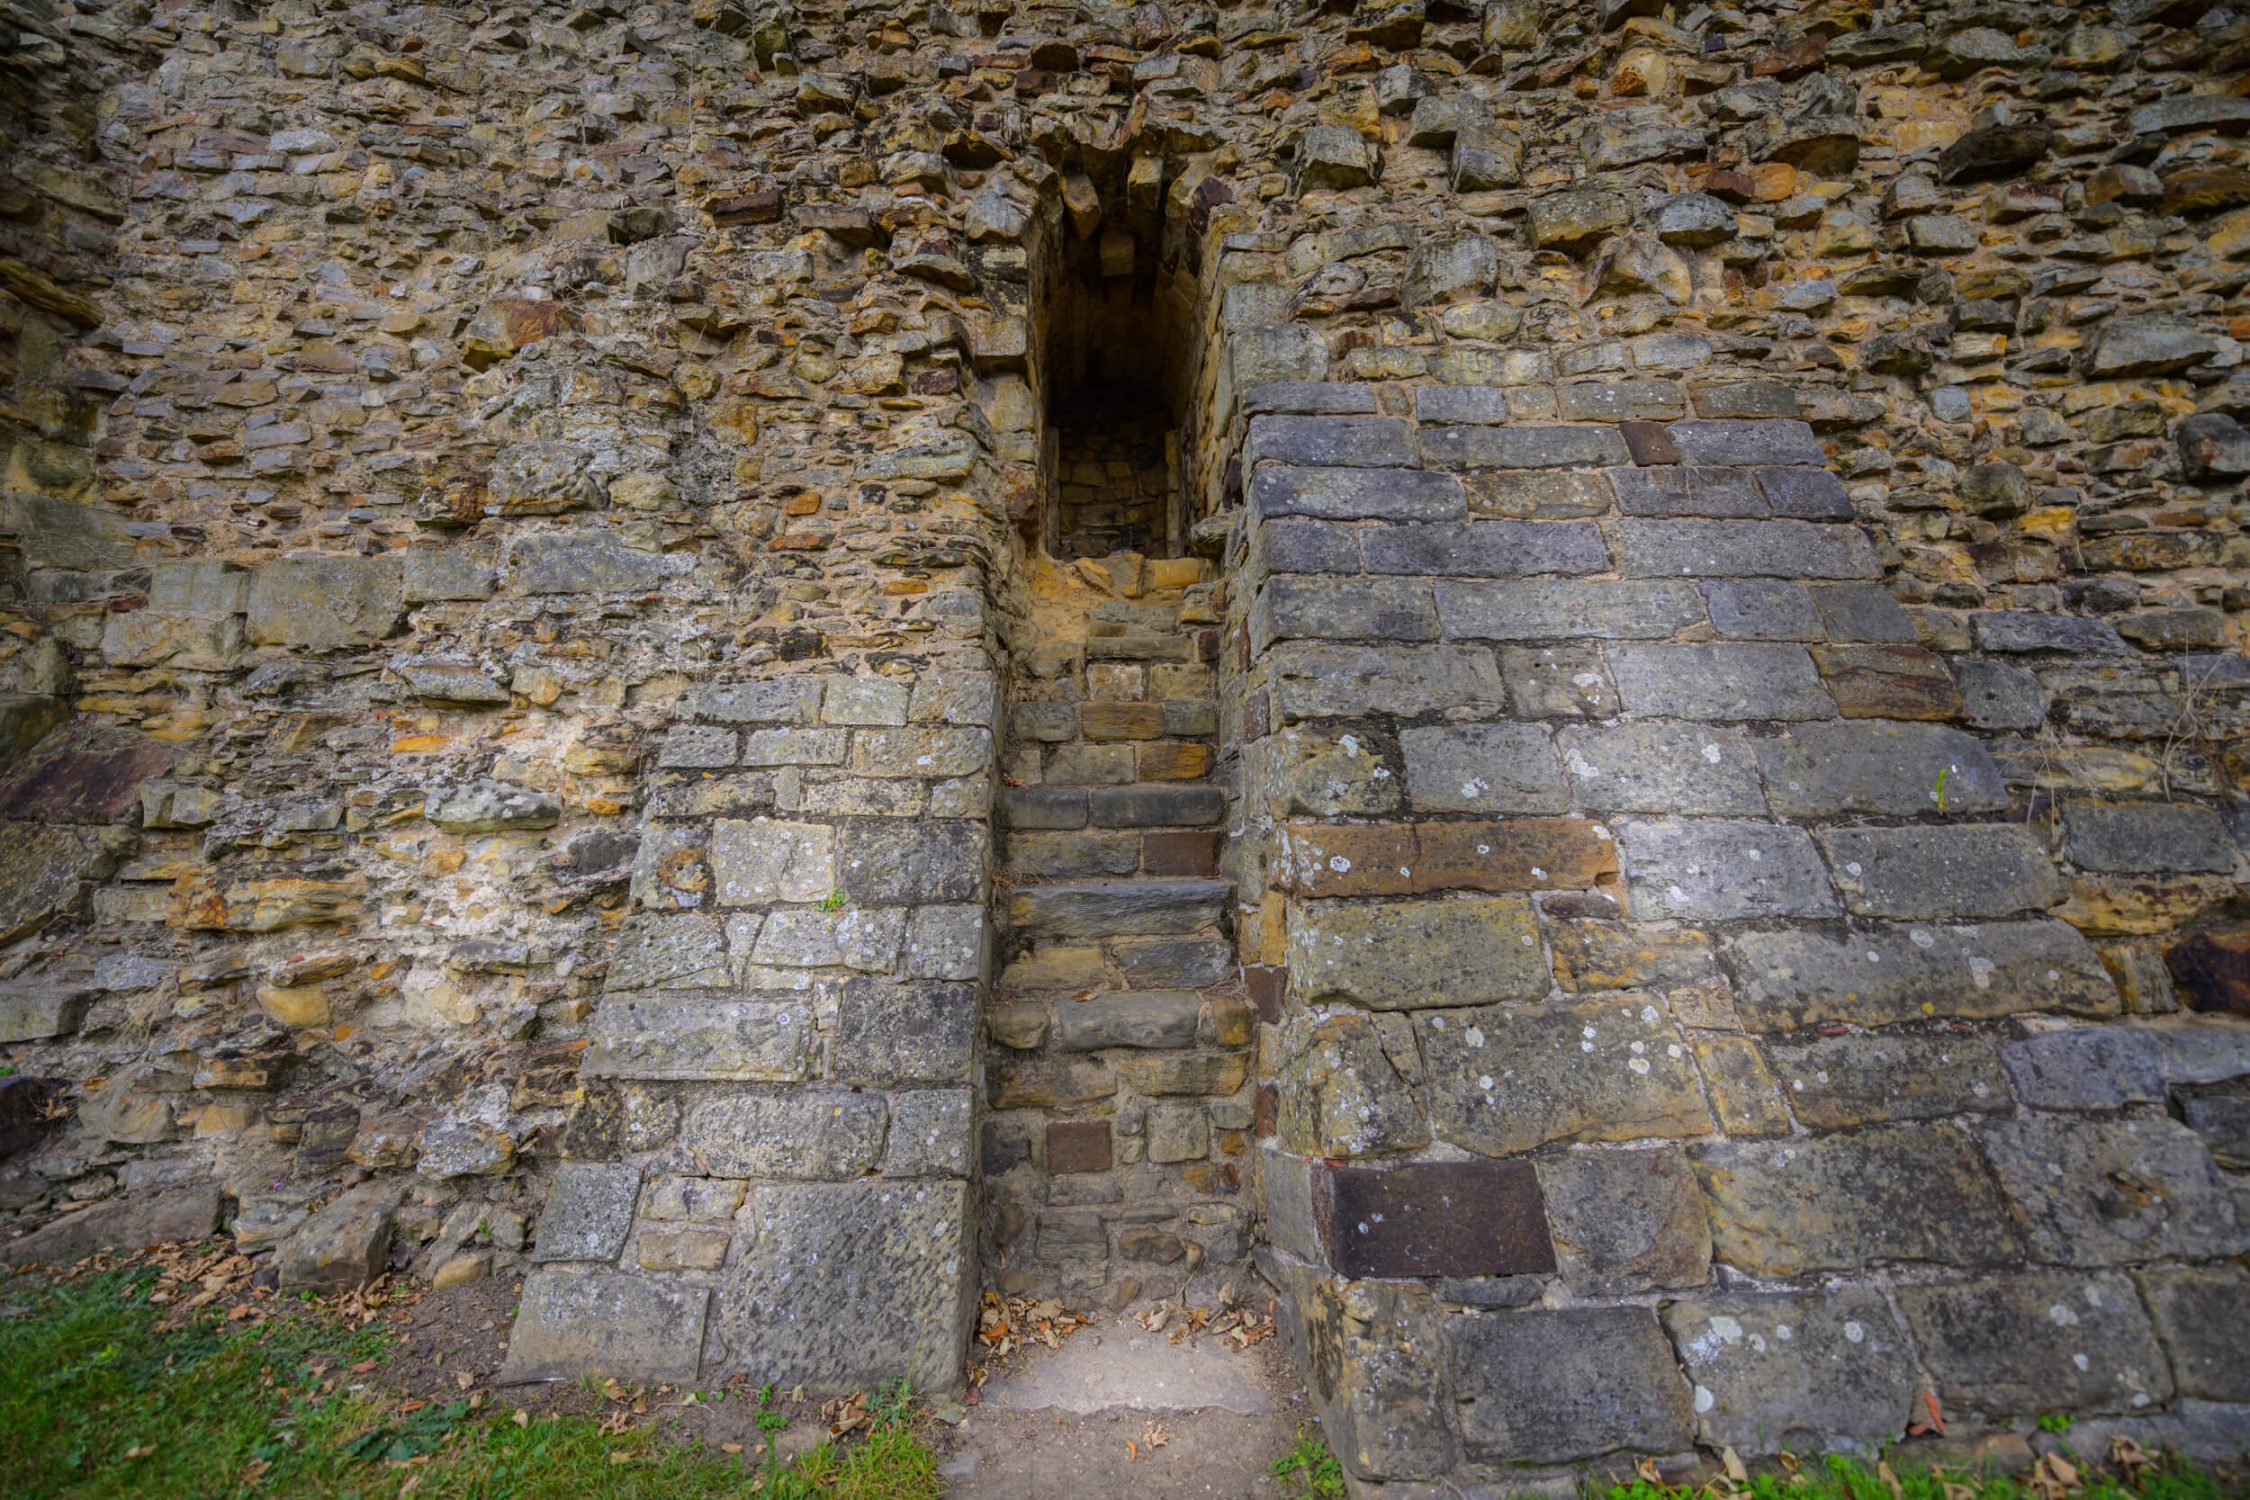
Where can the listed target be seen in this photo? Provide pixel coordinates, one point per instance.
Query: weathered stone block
(34, 1011)
(2023, 1345)
(1505, 1079)
(1525, 447)
(1077, 910)
(1347, 494)
(1339, 1092)
(1744, 549)
(1403, 955)
(937, 859)
(2147, 838)
(1485, 549)
(325, 603)
(1483, 768)
(1987, 870)
(931, 1133)
(1829, 770)
(1312, 680)
(1662, 768)
(1847, 1202)
(1342, 442)
(580, 562)
(1392, 609)
(768, 1040)
(2109, 1192)
(570, 1325)
(2088, 1067)
(1882, 974)
(1833, 1082)
(2197, 1311)
(1719, 680)
(862, 938)
(1626, 1221)
(1715, 869)
(1794, 1371)
(1735, 442)
(1805, 494)
(1552, 609)
(762, 861)
(346, 1244)
(1144, 1018)
(1325, 772)
(1760, 609)
(819, 1133)
(1547, 1386)
(904, 1033)
(589, 1212)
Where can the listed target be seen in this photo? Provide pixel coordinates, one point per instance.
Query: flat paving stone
(1121, 1367)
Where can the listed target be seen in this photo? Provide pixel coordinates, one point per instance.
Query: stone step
(1145, 805)
(1103, 721)
(1079, 909)
(1137, 647)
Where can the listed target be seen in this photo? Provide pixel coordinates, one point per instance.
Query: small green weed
(2056, 1421)
(1839, 1478)
(1309, 1470)
(835, 900)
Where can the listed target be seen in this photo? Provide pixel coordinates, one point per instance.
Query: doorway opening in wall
(1115, 373)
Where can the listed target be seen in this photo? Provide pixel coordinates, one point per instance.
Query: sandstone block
(2087, 1067)
(770, 1040)
(1548, 609)
(1988, 870)
(1830, 770)
(1626, 1221)
(817, 1133)
(325, 603)
(1833, 1082)
(1719, 681)
(2197, 1311)
(1847, 1202)
(1715, 869)
(1794, 1371)
(2022, 1345)
(579, 562)
(1316, 680)
(569, 1325)
(1662, 768)
(1350, 494)
(1880, 975)
(1483, 768)
(1403, 955)
(890, 1033)
(1505, 1079)
(2110, 1192)
(2147, 838)
(589, 1212)
(1547, 1386)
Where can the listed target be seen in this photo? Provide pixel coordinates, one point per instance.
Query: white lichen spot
(1638, 1064)
(1711, 754)
(1338, 863)
(1704, 1400)
(1853, 1333)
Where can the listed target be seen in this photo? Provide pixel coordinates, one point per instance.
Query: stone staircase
(1119, 1075)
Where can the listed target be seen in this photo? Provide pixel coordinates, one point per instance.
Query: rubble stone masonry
(1649, 838)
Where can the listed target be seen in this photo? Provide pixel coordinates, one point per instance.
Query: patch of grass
(96, 1401)
(1308, 1471)
(1839, 1478)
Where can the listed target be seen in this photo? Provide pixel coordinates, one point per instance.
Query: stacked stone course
(1652, 830)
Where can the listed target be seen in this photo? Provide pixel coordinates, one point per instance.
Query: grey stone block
(1995, 695)
(1183, 963)
(1449, 404)
(1157, 806)
(1745, 549)
(1485, 549)
(1043, 807)
(1773, 442)
(1508, 768)
(769, 1040)
(2146, 838)
(1506, 1079)
(2025, 1345)
(893, 1294)
(1549, 1386)
(890, 1033)
(1880, 975)
(1833, 1082)
(2198, 1313)
(2021, 630)
(1843, 1370)
(2112, 1192)
(1403, 955)
(1805, 494)
(2089, 1067)
(1626, 1221)
(325, 603)
(1862, 612)
(1347, 494)
(817, 1133)
(1873, 766)
(1302, 547)
(784, 700)
(1315, 680)
(1845, 1202)
(1311, 398)
(1558, 682)
(762, 861)
(937, 859)
(1622, 400)
(932, 1133)
(1674, 490)
(1662, 768)
(1721, 680)
(1525, 447)
(1543, 609)
(1344, 442)
(946, 942)
(1977, 870)
(637, 1328)
(589, 1212)
(1761, 609)
(1097, 909)
(449, 571)
(1716, 870)
(1144, 1018)
(1381, 609)
(697, 747)
(581, 562)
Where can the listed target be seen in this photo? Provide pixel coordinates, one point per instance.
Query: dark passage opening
(1114, 374)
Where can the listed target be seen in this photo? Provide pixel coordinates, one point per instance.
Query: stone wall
(528, 579)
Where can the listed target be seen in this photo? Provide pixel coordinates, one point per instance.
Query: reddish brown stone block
(1121, 721)
(2212, 970)
(1174, 760)
(1266, 984)
(1078, 1146)
(1347, 859)
(1482, 1218)
(1519, 854)
(1649, 443)
(1888, 682)
(1195, 852)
